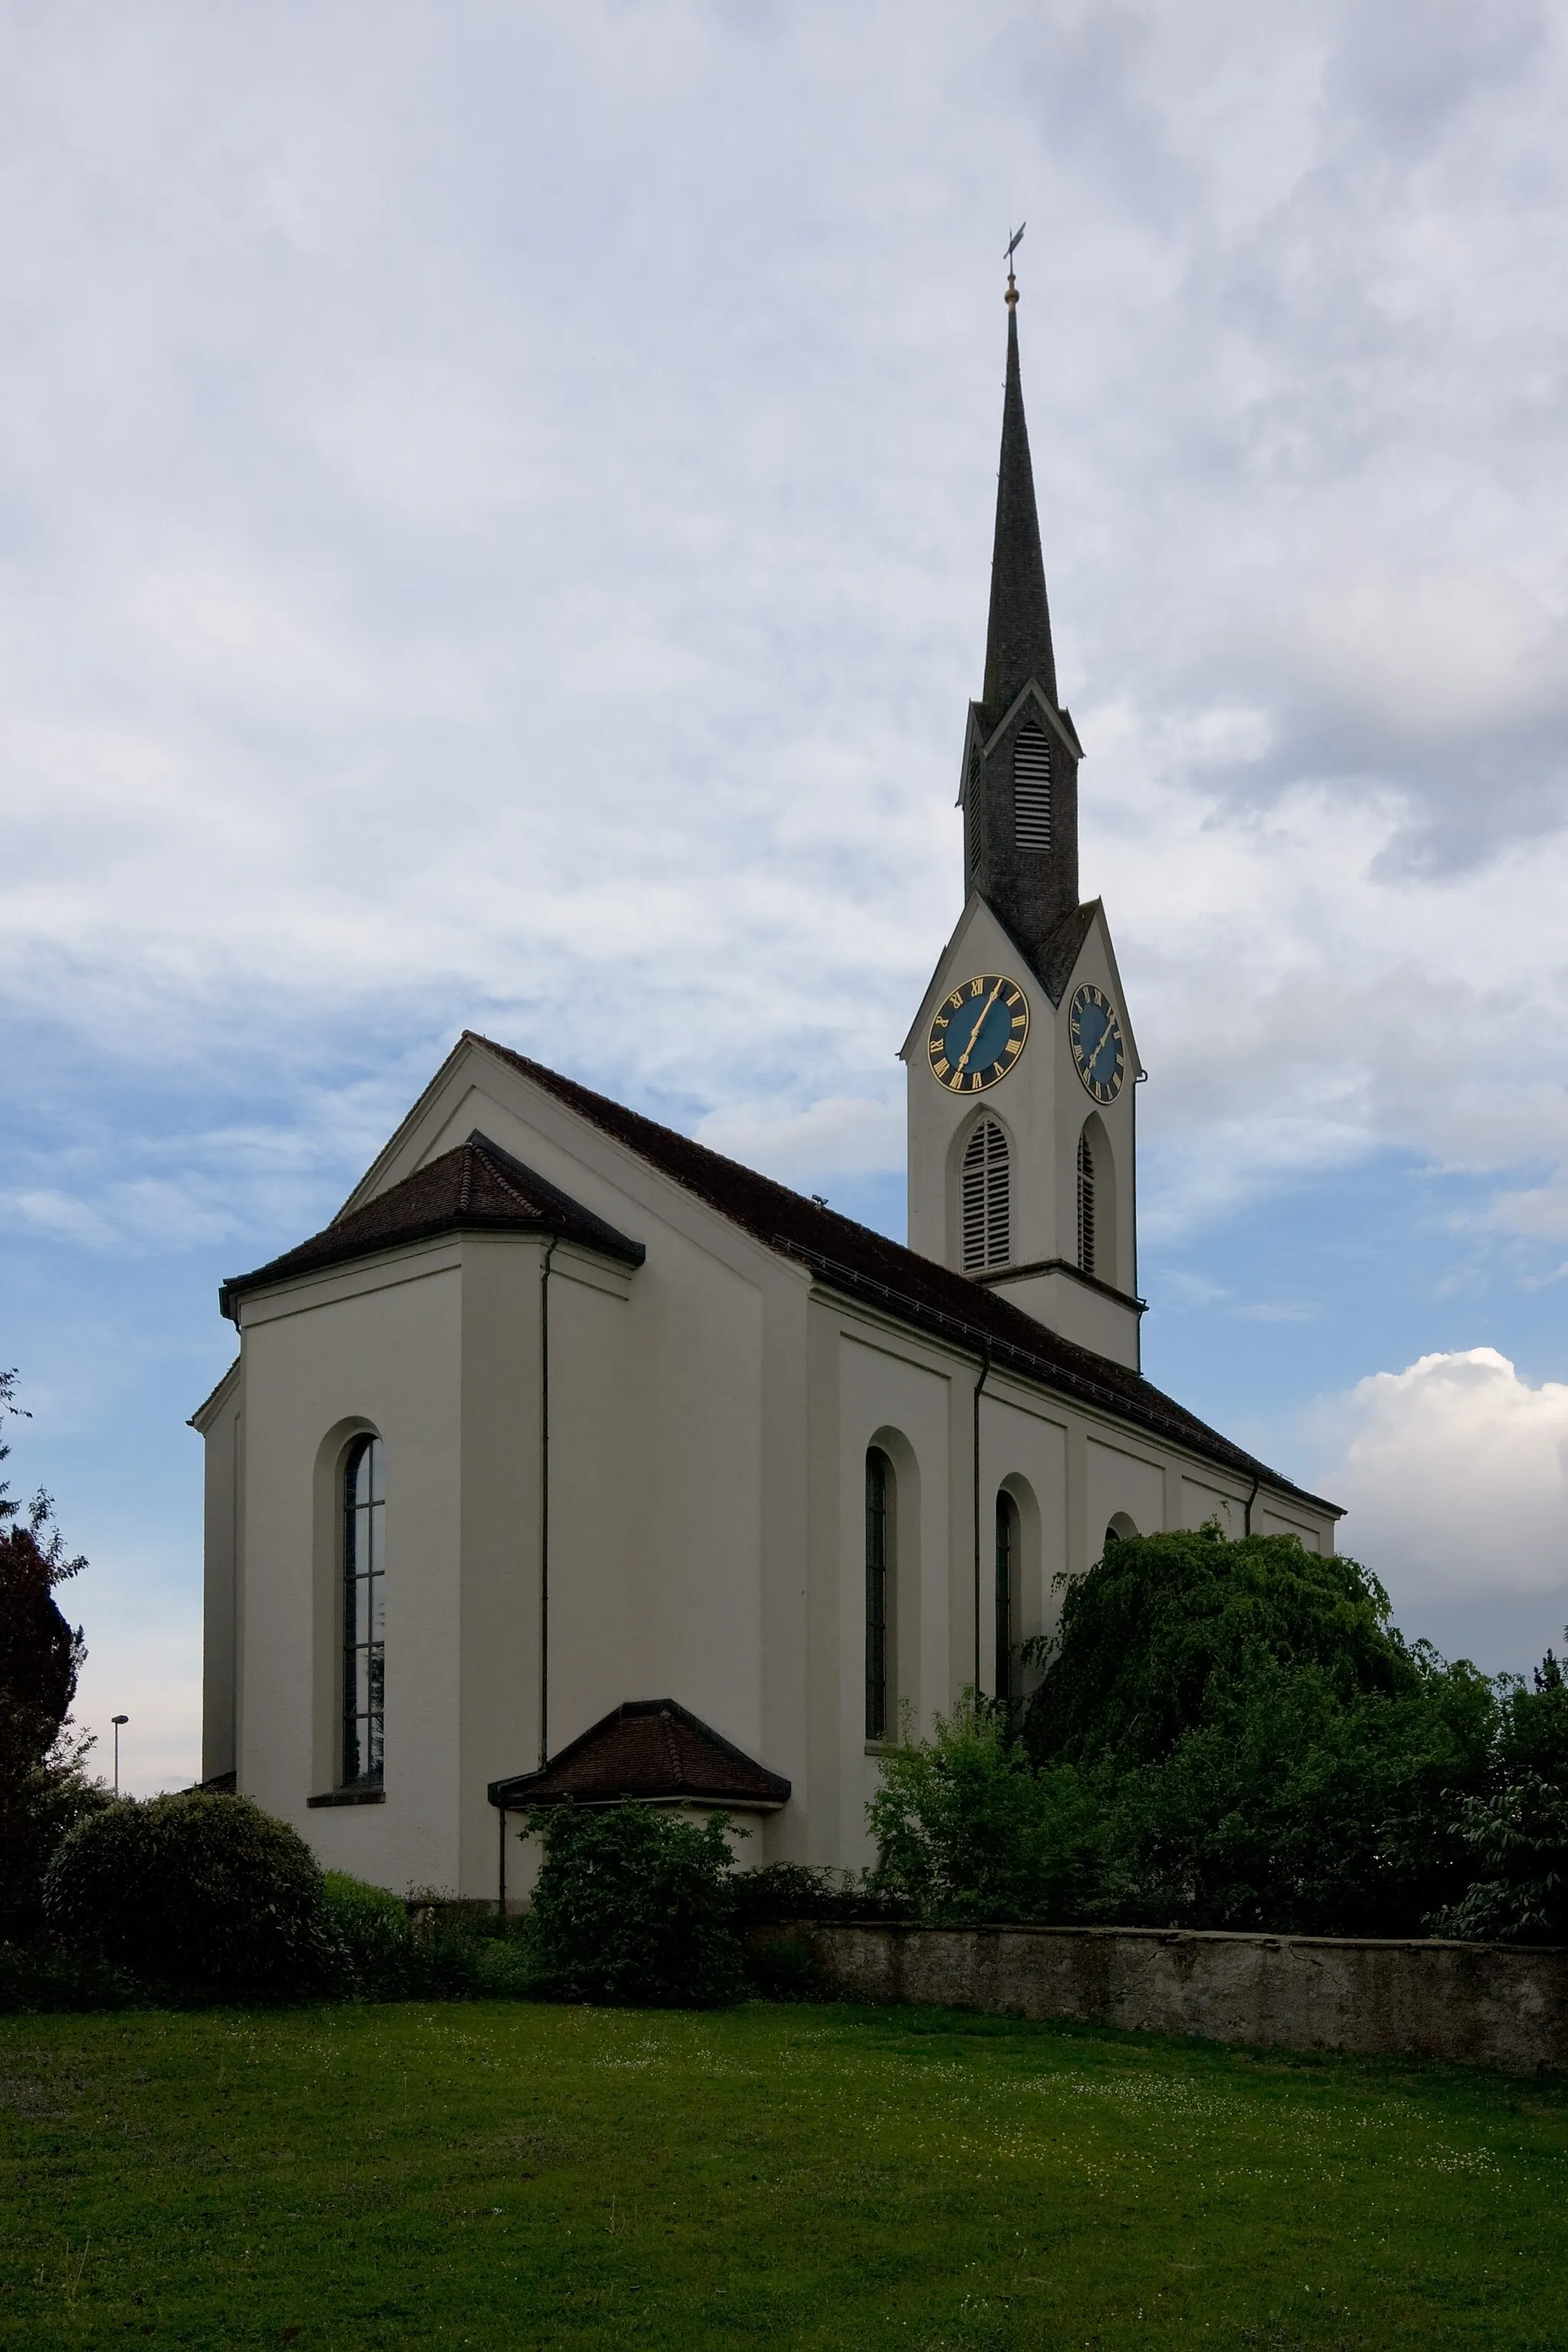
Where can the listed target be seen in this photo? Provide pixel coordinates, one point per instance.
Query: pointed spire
(1019, 640)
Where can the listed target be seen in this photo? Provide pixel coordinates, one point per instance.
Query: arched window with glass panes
(880, 1587)
(1085, 1203)
(365, 1632)
(1031, 788)
(986, 1202)
(1006, 1686)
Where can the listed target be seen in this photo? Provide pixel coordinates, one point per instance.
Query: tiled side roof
(898, 1281)
(1054, 964)
(652, 1748)
(475, 1187)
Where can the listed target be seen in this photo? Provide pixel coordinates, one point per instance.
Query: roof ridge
(764, 1208)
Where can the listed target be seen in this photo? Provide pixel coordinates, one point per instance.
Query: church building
(575, 1460)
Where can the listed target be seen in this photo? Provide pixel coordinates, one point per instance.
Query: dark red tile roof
(916, 1290)
(475, 1187)
(654, 1750)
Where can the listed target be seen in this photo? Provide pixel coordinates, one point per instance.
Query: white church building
(575, 1459)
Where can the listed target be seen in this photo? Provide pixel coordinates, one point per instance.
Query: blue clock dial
(978, 1034)
(1098, 1054)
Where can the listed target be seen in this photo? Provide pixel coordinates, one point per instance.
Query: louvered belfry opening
(972, 809)
(986, 1200)
(1031, 788)
(1085, 1204)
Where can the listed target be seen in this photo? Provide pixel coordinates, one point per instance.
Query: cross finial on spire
(1014, 242)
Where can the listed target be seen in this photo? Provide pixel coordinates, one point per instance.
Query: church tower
(1021, 1062)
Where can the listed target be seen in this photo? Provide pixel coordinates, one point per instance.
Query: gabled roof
(899, 1282)
(475, 1187)
(650, 1748)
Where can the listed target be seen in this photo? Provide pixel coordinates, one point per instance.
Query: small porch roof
(653, 1750)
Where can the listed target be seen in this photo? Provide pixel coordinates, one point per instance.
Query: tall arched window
(985, 1208)
(1031, 788)
(1085, 1204)
(879, 1595)
(1008, 1540)
(365, 1639)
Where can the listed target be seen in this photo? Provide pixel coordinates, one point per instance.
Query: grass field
(513, 2176)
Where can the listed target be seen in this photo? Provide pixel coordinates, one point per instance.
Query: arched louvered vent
(971, 808)
(1085, 1204)
(985, 1204)
(1031, 788)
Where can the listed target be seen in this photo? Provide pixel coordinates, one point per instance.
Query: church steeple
(1019, 640)
(1019, 790)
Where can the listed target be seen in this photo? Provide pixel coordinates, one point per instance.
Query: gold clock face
(1097, 1053)
(978, 1034)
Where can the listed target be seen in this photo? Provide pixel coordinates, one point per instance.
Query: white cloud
(847, 1134)
(1455, 1477)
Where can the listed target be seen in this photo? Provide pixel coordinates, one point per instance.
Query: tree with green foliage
(632, 1904)
(1270, 1752)
(44, 1788)
(1234, 1735)
(967, 1829)
(1516, 1835)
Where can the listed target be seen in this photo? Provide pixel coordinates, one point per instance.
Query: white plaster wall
(1042, 1105)
(1079, 1311)
(1274, 1519)
(220, 1425)
(1201, 1503)
(316, 1356)
(1024, 1446)
(897, 1397)
(1122, 1481)
(1023, 1102)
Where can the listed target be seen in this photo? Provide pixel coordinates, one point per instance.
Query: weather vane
(1014, 242)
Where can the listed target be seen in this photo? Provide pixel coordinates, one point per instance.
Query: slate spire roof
(1018, 637)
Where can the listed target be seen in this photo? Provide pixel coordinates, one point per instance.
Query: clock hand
(1109, 1031)
(959, 1065)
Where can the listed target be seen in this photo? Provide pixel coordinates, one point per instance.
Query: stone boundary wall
(1474, 2004)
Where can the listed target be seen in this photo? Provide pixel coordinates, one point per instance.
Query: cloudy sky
(495, 505)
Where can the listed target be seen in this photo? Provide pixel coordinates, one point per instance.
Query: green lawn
(512, 2175)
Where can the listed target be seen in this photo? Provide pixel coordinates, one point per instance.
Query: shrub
(632, 1904)
(38, 1976)
(387, 1948)
(206, 1892)
(785, 1967)
(967, 1830)
(1519, 1838)
(370, 1937)
(784, 1891)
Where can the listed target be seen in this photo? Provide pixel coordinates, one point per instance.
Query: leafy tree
(43, 1786)
(1234, 1735)
(1515, 1834)
(1163, 1623)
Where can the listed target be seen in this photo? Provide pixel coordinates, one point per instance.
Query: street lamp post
(117, 1720)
